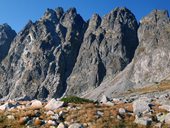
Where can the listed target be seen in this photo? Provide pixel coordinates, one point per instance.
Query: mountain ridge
(61, 54)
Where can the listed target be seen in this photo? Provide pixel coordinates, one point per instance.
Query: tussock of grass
(74, 99)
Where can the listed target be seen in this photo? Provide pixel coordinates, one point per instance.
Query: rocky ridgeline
(150, 111)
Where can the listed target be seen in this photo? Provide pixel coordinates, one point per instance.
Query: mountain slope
(150, 64)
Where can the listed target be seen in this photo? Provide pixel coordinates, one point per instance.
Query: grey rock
(55, 117)
(167, 118)
(50, 112)
(61, 125)
(104, 99)
(151, 60)
(119, 117)
(146, 121)
(42, 56)
(7, 106)
(122, 111)
(109, 103)
(11, 117)
(100, 113)
(108, 46)
(52, 122)
(76, 125)
(36, 104)
(165, 107)
(6, 37)
(141, 105)
(53, 104)
(160, 117)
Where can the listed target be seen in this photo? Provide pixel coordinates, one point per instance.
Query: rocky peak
(6, 37)
(155, 16)
(94, 22)
(50, 15)
(59, 12)
(71, 19)
(118, 16)
(71, 11)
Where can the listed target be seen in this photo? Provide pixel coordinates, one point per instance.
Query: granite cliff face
(61, 54)
(108, 46)
(152, 58)
(43, 55)
(151, 62)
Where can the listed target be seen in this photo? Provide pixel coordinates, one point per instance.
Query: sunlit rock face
(152, 58)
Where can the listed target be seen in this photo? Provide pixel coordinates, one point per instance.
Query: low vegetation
(74, 99)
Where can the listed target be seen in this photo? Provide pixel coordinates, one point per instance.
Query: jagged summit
(6, 37)
(156, 16)
(59, 12)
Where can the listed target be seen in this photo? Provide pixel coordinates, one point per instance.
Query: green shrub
(75, 99)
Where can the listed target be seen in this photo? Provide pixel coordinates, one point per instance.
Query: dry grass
(86, 114)
(157, 87)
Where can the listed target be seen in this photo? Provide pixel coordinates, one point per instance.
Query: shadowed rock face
(42, 56)
(6, 37)
(108, 46)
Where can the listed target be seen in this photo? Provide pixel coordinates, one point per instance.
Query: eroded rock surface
(42, 56)
(108, 46)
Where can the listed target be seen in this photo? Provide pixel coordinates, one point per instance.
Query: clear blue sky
(17, 12)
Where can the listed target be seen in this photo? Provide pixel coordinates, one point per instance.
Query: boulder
(160, 117)
(11, 117)
(54, 104)
(50, 112)
(167, 119)
(141, 105)
(122, 111)
(109, 103)
(165, 107)
(61, 125)
(76, 125)
(52, 122)
(104, 99)
(36, 104)
(146, 121)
